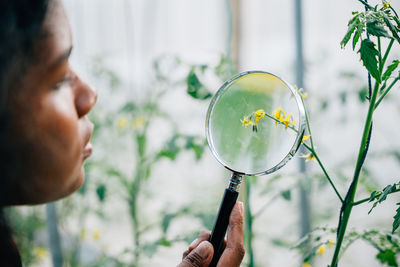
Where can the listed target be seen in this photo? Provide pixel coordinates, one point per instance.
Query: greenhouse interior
(290, 108)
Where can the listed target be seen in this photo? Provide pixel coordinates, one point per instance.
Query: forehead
(57, 38)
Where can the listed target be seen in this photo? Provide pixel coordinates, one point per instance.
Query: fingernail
(204, 250)
(194, 243)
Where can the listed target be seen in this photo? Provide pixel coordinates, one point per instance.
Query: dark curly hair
(21, 25)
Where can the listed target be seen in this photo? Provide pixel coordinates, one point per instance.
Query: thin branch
(365, 4)
(308, 124)
(325, 172)
(377, 196)
(386, 54)
(386, 92)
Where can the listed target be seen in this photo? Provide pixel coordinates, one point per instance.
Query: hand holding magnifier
(255, 124)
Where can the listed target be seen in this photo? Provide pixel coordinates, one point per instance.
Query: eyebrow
(63, 57)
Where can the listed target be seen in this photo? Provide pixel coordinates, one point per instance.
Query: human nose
(85, 97)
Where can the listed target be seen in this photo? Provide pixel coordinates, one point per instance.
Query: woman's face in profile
(51, 127)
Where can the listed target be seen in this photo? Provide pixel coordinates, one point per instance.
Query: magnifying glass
(255, 124)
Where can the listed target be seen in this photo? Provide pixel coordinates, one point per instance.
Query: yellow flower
(40, 252)
(287, 121)
(308, 157)
(305, 138)
(96, 234)
(306, 264)
(138, 122)
(83, 234)
(320, 251)
(259, 114)
(246, 121)
(279, 114)
(122, 123)
(386, 4)
(331, 243)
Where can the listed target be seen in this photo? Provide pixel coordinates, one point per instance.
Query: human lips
(87, 150)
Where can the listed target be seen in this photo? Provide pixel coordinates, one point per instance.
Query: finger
(201, 256)
(205, 235)
(234, 251)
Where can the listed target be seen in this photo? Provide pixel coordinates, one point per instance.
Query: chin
(78, 182)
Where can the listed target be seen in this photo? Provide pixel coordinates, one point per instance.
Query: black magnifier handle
(218, 233)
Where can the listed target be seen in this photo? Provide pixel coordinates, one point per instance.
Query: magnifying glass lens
(253, 123)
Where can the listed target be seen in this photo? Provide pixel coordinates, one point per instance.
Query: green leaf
(195, 88)
(170, 150)
(396, 222)
(373, 195)
(128, 107)
(390, 69)
(356, 36)
(101, 192)
(387, 257)
(374, 27)
(196, 144)
(198, 150)
(287, 195)
(362, 94)
(387, 190)
(391, 27)
(382, 195)
(373, 207)
(369, 56)
(348, 34)
(164, 242)
(166, 221)
(203, 68)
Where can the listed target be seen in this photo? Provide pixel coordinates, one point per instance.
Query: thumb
(199, 257)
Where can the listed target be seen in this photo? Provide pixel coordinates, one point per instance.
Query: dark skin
(51, 124)
(233, 253)
(52, 133)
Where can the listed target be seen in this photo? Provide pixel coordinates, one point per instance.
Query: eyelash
(68, 78)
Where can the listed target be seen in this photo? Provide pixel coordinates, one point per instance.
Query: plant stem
(134, 189)
(386, 92)
(380, 55)
(308, 126)
(368, 198)
(279, 122)
(249, 224)
(348, 203)
(386, 55)
(324, 170)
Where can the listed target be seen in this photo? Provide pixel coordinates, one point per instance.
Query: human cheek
(51, 146)
(62, 122)
(59, 142)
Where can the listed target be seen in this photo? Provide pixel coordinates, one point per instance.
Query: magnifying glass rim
(296, 144)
